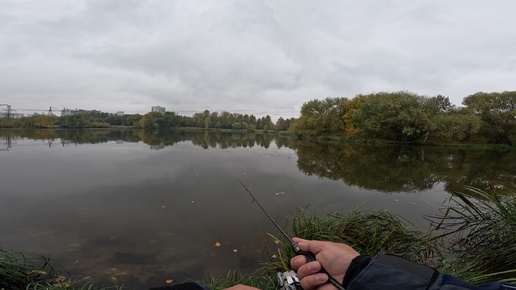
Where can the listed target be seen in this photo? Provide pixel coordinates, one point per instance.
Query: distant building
(158, 109)
(66, 112)
(120, 113)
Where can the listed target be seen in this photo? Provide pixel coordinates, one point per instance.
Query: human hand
(241, 287)
(335, 258)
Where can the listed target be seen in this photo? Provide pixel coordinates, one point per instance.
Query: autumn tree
(152, 120)
(352, 106)
(320, 117)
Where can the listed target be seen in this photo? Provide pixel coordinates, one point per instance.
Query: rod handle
(311, 257)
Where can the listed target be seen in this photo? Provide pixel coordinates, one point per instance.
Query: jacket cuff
(358, 264)
(393, 272)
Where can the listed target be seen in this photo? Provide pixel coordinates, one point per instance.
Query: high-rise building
(158, 109)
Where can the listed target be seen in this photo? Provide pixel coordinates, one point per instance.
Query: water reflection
(408, 169)
(382, 168)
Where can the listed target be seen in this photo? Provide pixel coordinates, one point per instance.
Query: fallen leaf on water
(235, 250)
(168, 281)
(36, 271)
(217, 244)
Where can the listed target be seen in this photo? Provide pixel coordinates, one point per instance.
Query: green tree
(252, 120)
(437, 104)
(237, 125)
(251, 128)
(74, 121)
(171, 119)
(456, 125)
(267, 123)
(396, 116)
(497, 111)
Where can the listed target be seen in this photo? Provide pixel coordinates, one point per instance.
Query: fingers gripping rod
(309, 256)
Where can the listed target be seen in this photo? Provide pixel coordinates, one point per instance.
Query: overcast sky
(248, 56)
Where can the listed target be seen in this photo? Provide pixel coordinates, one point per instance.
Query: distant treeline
(153, 120)
(403, 117)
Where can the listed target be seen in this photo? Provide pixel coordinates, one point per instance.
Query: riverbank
(479, 225)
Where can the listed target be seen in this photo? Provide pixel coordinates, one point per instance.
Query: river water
(139, 208)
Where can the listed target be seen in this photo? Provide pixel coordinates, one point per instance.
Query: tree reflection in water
(383, 168)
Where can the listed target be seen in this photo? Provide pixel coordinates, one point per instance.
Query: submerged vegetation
(472, 239)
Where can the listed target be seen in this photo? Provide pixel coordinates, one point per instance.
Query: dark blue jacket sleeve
(388, 272)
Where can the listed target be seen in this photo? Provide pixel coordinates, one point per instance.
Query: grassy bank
(32, 272)
(473, 239)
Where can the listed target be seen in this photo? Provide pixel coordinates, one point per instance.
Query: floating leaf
(37, 271)
(168, 281)
(235, 250)
(217, 244)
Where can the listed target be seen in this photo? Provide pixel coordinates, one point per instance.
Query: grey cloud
(257, 55)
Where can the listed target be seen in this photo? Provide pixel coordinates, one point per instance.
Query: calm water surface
(139, 208)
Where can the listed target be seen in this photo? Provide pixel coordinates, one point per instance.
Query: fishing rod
(309, 256)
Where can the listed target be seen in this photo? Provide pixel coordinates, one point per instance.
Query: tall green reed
(478, 230)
